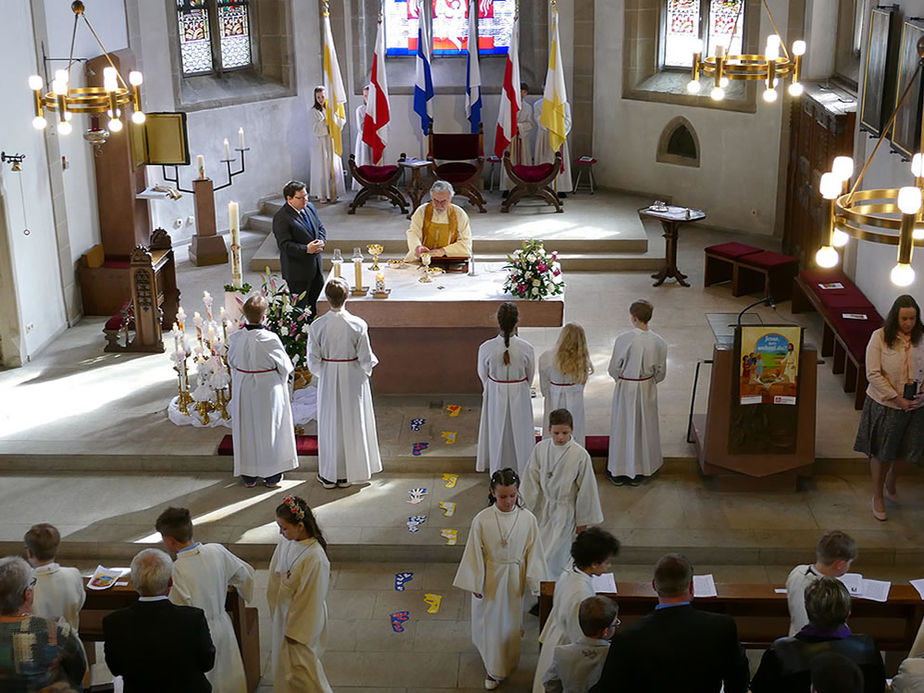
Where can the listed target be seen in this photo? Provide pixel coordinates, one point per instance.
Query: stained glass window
(450, 26)
(234, 31)
(691, 24)
(195, 46)
(213, 30)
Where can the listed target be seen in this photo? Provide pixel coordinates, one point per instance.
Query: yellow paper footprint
(433, 602)
(450, 480)
(451, 536)
(449, 508)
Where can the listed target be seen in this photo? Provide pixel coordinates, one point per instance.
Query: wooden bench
(843, 339)
(721, 261)
(245, 620)
(762, 615)
(750, 269)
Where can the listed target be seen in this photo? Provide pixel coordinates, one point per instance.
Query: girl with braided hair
(299, 576)
(506, 365)
(503, 558)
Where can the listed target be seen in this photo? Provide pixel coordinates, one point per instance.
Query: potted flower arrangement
(533, 272)
(234, 299)
(289, 322)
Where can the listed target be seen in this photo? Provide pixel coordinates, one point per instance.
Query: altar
(426, 336)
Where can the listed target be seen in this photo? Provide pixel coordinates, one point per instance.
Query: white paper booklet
(104, 578)
(704, 586)
(604, 584)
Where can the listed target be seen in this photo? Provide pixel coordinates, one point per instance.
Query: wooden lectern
(756, 446)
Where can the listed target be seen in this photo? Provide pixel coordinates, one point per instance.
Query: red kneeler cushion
(732, 250)
(456, 172)
(597, 446)
(847, 301)
(114, 323)
(766, 259)
(377, 174)
(304, 445)
(532, 174)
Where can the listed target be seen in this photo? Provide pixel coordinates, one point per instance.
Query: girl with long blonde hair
(563, 373)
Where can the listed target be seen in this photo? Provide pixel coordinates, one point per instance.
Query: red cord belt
(561, 384)
(340, 360)
(636, 380)
(268, 370)
(521, 380)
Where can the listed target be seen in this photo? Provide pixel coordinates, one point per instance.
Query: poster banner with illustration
(768, 364)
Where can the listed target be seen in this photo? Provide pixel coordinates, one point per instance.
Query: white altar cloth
(304, 409)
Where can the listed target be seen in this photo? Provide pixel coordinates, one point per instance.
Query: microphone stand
(768, 299)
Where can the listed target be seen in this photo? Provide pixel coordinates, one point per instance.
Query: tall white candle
(227, 149)
(200, 164)
(234, 223)
(240, 137)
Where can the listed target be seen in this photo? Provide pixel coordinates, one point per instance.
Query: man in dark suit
(155, 645)
(300, 236)
(676, 647)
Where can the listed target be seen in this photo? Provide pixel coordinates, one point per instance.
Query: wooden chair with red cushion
(377, 180)
(459, 159)
(535, 181)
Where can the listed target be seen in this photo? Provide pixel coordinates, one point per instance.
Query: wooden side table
(416, 187)
(671, 218)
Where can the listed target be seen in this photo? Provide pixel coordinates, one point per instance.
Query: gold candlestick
(204, 407)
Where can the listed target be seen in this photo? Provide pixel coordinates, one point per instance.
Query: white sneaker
(490, 684)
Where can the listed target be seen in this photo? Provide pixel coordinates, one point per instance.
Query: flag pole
(325, 5)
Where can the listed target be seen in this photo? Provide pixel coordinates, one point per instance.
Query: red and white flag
(510, 94)
(375, 124)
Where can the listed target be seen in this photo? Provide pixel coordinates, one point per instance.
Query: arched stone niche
(679, 143)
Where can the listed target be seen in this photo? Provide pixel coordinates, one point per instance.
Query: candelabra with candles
(209, 351)
(891, 216)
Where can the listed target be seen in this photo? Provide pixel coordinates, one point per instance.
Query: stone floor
(85, 444)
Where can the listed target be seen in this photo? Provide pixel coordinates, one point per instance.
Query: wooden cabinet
(821, 128)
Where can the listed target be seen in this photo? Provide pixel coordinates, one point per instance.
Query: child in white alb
(58, 594)
(834, 553)
(577, 666)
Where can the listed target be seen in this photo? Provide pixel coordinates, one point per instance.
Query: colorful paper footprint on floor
(450, 437)
(416, 495)
(451, 536)
(448, 508)
(401, 579)
(414, 522)
(419, 448)
(454, 409)
(450, 480)
(417, 423)
(397, 619)
(433, 602)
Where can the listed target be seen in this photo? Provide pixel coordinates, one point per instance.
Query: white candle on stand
(200, 164)
(240, 137)
(234, 223)
(227, 149)
(181, 318)
(358, 267)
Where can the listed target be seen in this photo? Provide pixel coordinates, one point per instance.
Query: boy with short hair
(202, 574)
(577, 666)
(560, 489)
(638, 364)
(834, 553)
(58, 594)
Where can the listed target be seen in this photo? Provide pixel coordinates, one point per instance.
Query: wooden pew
(762, 615)
(245, 620)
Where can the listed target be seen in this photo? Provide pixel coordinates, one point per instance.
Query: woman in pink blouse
(892, 424)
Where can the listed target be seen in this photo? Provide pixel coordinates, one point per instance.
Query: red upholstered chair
(459, 159)
(535, 181)
(377, 180)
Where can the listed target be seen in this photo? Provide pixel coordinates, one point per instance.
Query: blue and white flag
(473, 72)
(423, 81)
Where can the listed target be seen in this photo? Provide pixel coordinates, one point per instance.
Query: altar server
(299, 577)
(638, 364)
(340, 356)
(503, 558)
(362, 150)
(525, 129)
(326, 180)
(560, 488)
(563, 373)
(577, 666)
(593, 552)
(58, 594)
(202, 574)
(261, 412)
(506, 365)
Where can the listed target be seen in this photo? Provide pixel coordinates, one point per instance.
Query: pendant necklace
(294, 561)
(504, 539)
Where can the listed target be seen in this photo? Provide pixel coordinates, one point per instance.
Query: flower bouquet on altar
(288, 321)
(534, 273)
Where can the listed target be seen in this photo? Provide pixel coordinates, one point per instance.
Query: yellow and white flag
(554, 99)
(335, 111)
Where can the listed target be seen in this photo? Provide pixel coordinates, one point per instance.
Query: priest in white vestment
(560, 489)
(361, 150)
(299, 578)
(593, 551)
(543, 152)
(58, 593)
(638, 364)
(439, 227)
(202, 574)
(340, 356)
(260, 408)
(506, 366)
(503, 558)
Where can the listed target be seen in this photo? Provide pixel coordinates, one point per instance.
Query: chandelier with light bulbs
(110, 99)
(768, 68)
(892, 216)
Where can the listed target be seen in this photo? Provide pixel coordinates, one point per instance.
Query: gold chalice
(375, 250)
(425, 261)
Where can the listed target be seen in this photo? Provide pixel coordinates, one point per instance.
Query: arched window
(214, 35)
(689, 24)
